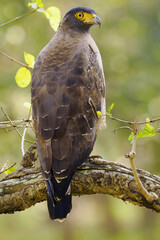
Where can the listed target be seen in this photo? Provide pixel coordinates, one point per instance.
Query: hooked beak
(96, 20)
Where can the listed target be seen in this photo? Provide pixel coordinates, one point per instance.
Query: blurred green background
(129, 42)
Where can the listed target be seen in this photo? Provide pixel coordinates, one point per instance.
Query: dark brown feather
(67, 88)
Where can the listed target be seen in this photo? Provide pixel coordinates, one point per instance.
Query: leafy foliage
(99, 113)
(109, 110)
(23, 75)
(52, 13)
(29, 59)
(54, 16)
(148, 120)
(148, 131)
(36, 4)
(9, 170)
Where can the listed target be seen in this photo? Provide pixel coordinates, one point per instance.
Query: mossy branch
(26, 186)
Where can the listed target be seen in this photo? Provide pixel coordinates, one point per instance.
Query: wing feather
(66, 94)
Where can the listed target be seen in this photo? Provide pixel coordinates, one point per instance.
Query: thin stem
(123, 121)
(5, 169)
(123, 127)
(10, 125)
(132, 123)
(149, 196)
(151, 121)
(14, 60)
(22, 142)
(15, 127)
(11, 122)
(16, 122)
(17, 18)
(23, 137)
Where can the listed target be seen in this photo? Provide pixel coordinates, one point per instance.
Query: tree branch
(14, 60)
(18, 18)
(26, 186)
(132, 123)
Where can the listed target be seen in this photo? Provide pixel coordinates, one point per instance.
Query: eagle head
(80, 19)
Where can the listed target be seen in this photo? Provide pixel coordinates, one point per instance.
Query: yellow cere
(85, 17)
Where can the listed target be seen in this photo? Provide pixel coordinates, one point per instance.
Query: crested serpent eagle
(67, 90)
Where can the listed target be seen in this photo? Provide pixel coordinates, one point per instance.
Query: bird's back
(67, 90)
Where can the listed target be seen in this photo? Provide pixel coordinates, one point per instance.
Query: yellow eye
(79, 15)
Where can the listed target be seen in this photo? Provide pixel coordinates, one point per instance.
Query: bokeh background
(129, 42)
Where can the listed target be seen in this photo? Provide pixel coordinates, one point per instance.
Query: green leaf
(29, 59)
(27, 105)
(23, 77)
(148, 120)
(42, 10)
(9, 170)
(148, 131)
(32, 5)
(130, 138)
(108, 114)
(36, 4)
(99, 113)
(54, 16)
(39, 3)
(110, 107)
(109, 110)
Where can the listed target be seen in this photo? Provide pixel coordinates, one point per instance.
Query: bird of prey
(67, 90)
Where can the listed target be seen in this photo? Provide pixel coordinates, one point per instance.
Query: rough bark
(26, 186)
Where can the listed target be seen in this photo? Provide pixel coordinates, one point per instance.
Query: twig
(23, 137)
(5, 169)
(123, 127)
(15, 127)
(122, 121)
(153, 120)
(14, 60)
(17, 123)
(132, 123)
(22, 141)
(11, 127)
(11, 122)
(149, 196)
(17, 18)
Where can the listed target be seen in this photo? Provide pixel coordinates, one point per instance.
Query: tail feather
(61, 208)
(59, 199)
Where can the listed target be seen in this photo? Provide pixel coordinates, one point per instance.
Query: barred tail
(59, 199)
(59, 210)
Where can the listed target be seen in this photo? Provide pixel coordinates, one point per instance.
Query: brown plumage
(67, 90)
